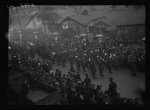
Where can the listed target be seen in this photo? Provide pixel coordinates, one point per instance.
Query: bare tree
(48, 14)
(11, 13)
(77, 9)
(92, 8)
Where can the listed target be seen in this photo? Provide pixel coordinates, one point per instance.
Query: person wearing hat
(77, 77)
(100, 67)
(112, 87)
(24, 90)
(93, 70)
(99, 99)
(87, 80)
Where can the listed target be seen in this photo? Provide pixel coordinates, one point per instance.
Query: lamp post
(20, 27)
(35, 35)
(20, 35)
(8, 37)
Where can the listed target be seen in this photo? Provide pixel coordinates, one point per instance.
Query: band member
(132, 64)
(71, 64)
(78, 63)
(93, 70)
(99, 61)
(87, 80)
(108, 66)
(113, 89)
(24, 90)
(84, 65)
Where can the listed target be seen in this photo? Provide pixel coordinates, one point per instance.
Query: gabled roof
(124, 17)
(80, 19)
(31, 18)
(22, 21)
(98, 20)
(106, 21)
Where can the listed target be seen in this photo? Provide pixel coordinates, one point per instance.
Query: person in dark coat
(71, 64)
(87, 81)
(133, 68)
(77, 77)
(99, 98)
(93, 70)
(76, 99)
(87, 98)
(108, 66)
(78, 63)
(24, 90)
(69, 93)
(58, 60)
(113, 90)
(57, 74)
(63, 60)
(84, 66)
(132, 59)
(100, 68)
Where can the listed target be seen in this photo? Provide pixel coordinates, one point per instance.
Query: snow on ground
(127, 84)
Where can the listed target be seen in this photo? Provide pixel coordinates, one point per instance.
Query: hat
(57, 69)
(110, 78)
(99, 86)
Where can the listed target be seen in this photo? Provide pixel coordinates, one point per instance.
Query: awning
(99, 35)
(82, 35)
(55, 33)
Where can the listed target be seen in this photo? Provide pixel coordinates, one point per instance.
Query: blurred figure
(78, 64)
(112, 86)
(113, 91)
(87, 81)
(100, 68)
(99, 98)
(132, 60)
(84, 66)
(24, 90)
(93, 70)
(77, 77)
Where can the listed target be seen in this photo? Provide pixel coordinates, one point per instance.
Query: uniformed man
(58, 59)
(71, 64)
(132, 67)
(100, 67)
(87, 80)
(99, 89)
(78, 63)
(83, 63)
(63, 60)
(24, 90)
(108, 66)
(57, 74)
(112, 88)
(93, 70)
(99, 95)
(77, 77)
(69, 93)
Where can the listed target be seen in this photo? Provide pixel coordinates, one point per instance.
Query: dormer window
(65, 25)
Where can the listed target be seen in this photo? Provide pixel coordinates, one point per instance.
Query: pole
(20, 26)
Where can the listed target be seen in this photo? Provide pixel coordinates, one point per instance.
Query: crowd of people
(110, 53)
(73, 89)
(87, 56)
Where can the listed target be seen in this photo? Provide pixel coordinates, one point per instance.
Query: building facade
(73, 26)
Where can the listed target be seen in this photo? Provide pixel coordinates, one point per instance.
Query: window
(65, 25)
(91, 29)
(96, 30)
(78, 30)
